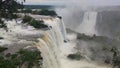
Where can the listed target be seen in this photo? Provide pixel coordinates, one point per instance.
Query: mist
(97, 26)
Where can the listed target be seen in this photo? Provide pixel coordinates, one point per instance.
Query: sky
(73, 2)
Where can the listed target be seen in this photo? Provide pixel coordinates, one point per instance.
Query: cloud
(78, 2)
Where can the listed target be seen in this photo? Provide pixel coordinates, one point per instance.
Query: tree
(8, 8)
(116, 57)
(48, 12)
(37, 24)
(26, 19)
(33, 22)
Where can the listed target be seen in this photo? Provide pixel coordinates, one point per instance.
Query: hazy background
(74, 2)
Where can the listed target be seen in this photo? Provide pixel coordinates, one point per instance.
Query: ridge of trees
(8, 8)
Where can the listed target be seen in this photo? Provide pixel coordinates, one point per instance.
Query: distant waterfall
(88, 24)
(49, 44)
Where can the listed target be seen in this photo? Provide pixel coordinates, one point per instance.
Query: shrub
(29, 56)
(116, 57)
(19, 58)
(2, 24)
(38, 24)
(75, 56)
(2, 49)
(26, 19)
(35, 23)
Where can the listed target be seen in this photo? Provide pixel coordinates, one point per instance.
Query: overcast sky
(78, 2)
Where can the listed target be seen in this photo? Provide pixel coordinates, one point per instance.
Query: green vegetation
(47, 12)
(26, 11)
(2, 24)
(116, 57)
(8, 8)
(38, 6)
(83, 36)
(40, 12)
(2, 49)
(35, 23)
(26, 19)
(38, 24)
(29, 57)
(104, 48)
(75, 56)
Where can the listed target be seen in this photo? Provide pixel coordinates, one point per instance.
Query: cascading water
(49, 45)
(52, 44)
(63, 29)
(88, 24)
(54, 50)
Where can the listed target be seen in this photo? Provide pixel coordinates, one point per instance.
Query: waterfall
(50, 43)
(54, 50)
(63, 29)
(88, 24)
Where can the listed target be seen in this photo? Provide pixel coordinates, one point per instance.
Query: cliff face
(108, 23)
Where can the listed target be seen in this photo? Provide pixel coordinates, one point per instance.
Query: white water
(17, 33)
(54, 50)
(50, 43)
(88, 24)
(63, 29)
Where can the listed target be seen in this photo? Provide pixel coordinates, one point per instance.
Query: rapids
(51, 42)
